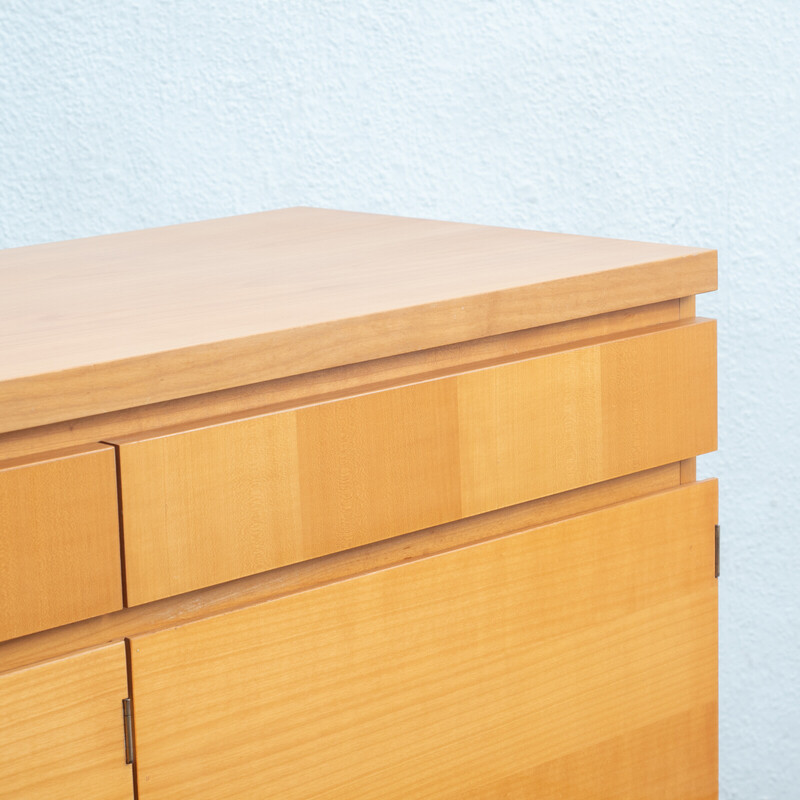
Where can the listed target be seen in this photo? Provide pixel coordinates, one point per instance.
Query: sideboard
(314, 504)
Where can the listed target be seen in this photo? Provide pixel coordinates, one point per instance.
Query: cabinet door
(61, 731)
(59, 539)
(573, 660)
(247, 495)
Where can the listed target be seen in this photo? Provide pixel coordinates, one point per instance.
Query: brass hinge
(716, 551)
(127, 722)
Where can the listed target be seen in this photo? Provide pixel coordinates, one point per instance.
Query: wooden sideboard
(314, 504)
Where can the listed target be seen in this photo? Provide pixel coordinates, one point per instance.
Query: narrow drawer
(230, 499)
(59, 540)
(574, 660)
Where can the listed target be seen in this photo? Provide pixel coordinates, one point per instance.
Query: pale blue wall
(657, 120)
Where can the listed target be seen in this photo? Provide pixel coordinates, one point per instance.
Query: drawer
(242, 496)
(573, 660)
(61, 729)
(59, 539)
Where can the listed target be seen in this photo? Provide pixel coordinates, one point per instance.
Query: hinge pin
(716, 551)
(127, 721)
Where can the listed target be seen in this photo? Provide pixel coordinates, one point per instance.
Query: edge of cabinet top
(95, 325)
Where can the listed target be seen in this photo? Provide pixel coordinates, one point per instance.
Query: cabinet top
(110, 322)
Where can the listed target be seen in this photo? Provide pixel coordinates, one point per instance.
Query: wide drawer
(574, 660)
(215, 503)
(59, 540)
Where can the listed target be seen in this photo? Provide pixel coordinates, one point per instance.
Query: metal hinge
(716, 551)
(127, 722)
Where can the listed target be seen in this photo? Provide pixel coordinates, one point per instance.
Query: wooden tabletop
(94, 325)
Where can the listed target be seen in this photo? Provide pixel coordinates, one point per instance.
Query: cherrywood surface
(575, 660)
(350, 378)
(201, 603)
(239, 497)
(59, 539)
(95, 325)
(61, 733)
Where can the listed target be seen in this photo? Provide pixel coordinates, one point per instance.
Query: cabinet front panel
(59, 540)
(573, 660)
(213, 504)
(61, 733)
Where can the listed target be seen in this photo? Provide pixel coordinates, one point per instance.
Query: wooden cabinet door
(246, 495)
(573, 660)
(61, 731)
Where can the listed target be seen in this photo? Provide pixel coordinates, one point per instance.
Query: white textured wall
(657, 120)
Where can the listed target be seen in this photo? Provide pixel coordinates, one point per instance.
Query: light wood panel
(242, 496)
(59, 539)
(61, 733)
(350, 378)
(94, 325)
(264, 586)
(464, 675)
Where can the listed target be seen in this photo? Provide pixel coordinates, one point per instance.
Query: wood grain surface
(61, 734)
(238, 497)
(95, 325)
(171, 611)
(576, 660)
(59, 539)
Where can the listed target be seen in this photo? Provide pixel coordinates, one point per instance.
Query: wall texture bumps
(658, 120)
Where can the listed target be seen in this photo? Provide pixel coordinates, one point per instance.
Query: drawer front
(212, 504)
(573, 660)
(59, 540)
(61, 729)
